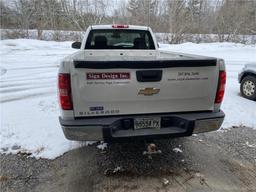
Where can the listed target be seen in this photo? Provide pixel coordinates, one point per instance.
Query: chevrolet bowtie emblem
(148, 91)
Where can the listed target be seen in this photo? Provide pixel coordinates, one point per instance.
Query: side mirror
(76, 45)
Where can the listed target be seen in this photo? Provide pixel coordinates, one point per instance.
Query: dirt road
(219, 161)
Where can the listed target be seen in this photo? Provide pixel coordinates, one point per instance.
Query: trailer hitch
(151, 150)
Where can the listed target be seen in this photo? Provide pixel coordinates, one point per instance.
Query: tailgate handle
(149, 75)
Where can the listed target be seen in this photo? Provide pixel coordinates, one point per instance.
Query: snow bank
(29, 110)
(59, 35)
(28, 99)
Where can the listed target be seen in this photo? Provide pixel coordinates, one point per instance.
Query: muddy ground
(218, 161)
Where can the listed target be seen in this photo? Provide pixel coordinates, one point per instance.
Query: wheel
(248, 87)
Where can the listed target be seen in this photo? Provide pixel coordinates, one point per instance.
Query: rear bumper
(120, 128)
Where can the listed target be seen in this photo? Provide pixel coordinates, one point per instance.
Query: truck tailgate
(101, 88)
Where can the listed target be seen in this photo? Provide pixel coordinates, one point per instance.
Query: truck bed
(141, 82)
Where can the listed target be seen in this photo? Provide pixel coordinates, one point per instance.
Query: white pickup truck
(119, 86)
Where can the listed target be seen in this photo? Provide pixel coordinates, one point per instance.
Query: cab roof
(117, 26)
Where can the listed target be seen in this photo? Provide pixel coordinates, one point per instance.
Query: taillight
(221, 87)
(64, 86)
(120, 26)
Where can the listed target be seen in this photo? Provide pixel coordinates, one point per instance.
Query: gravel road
(218, 161)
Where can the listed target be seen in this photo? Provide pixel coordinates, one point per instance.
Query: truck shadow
(125, 168)
(197, 163)
(128, 159)
(123, 165)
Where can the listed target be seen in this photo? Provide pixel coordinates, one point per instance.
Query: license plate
(141, 123)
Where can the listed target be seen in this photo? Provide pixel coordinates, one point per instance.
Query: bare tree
(120, 13)
(182, 18)
(179, 20)
(24, 11)
(85, 12)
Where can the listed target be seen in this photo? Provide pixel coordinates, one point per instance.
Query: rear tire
(248, 87)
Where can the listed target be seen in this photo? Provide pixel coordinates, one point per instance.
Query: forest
(227, 19)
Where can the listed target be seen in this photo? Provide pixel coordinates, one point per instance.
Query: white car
(119, 86)
(247, 80)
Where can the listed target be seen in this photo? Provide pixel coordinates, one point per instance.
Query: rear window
(119, 39)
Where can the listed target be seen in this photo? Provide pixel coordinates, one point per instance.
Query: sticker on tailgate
(97, 108)
(188, 76)
(107, 76)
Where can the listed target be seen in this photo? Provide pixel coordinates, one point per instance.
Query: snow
(102, 146)
(58, 35)
(250, 145)
(28, 99)
(177, 150)
(29, 107)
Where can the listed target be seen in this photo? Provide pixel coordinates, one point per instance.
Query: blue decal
(97, 108)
